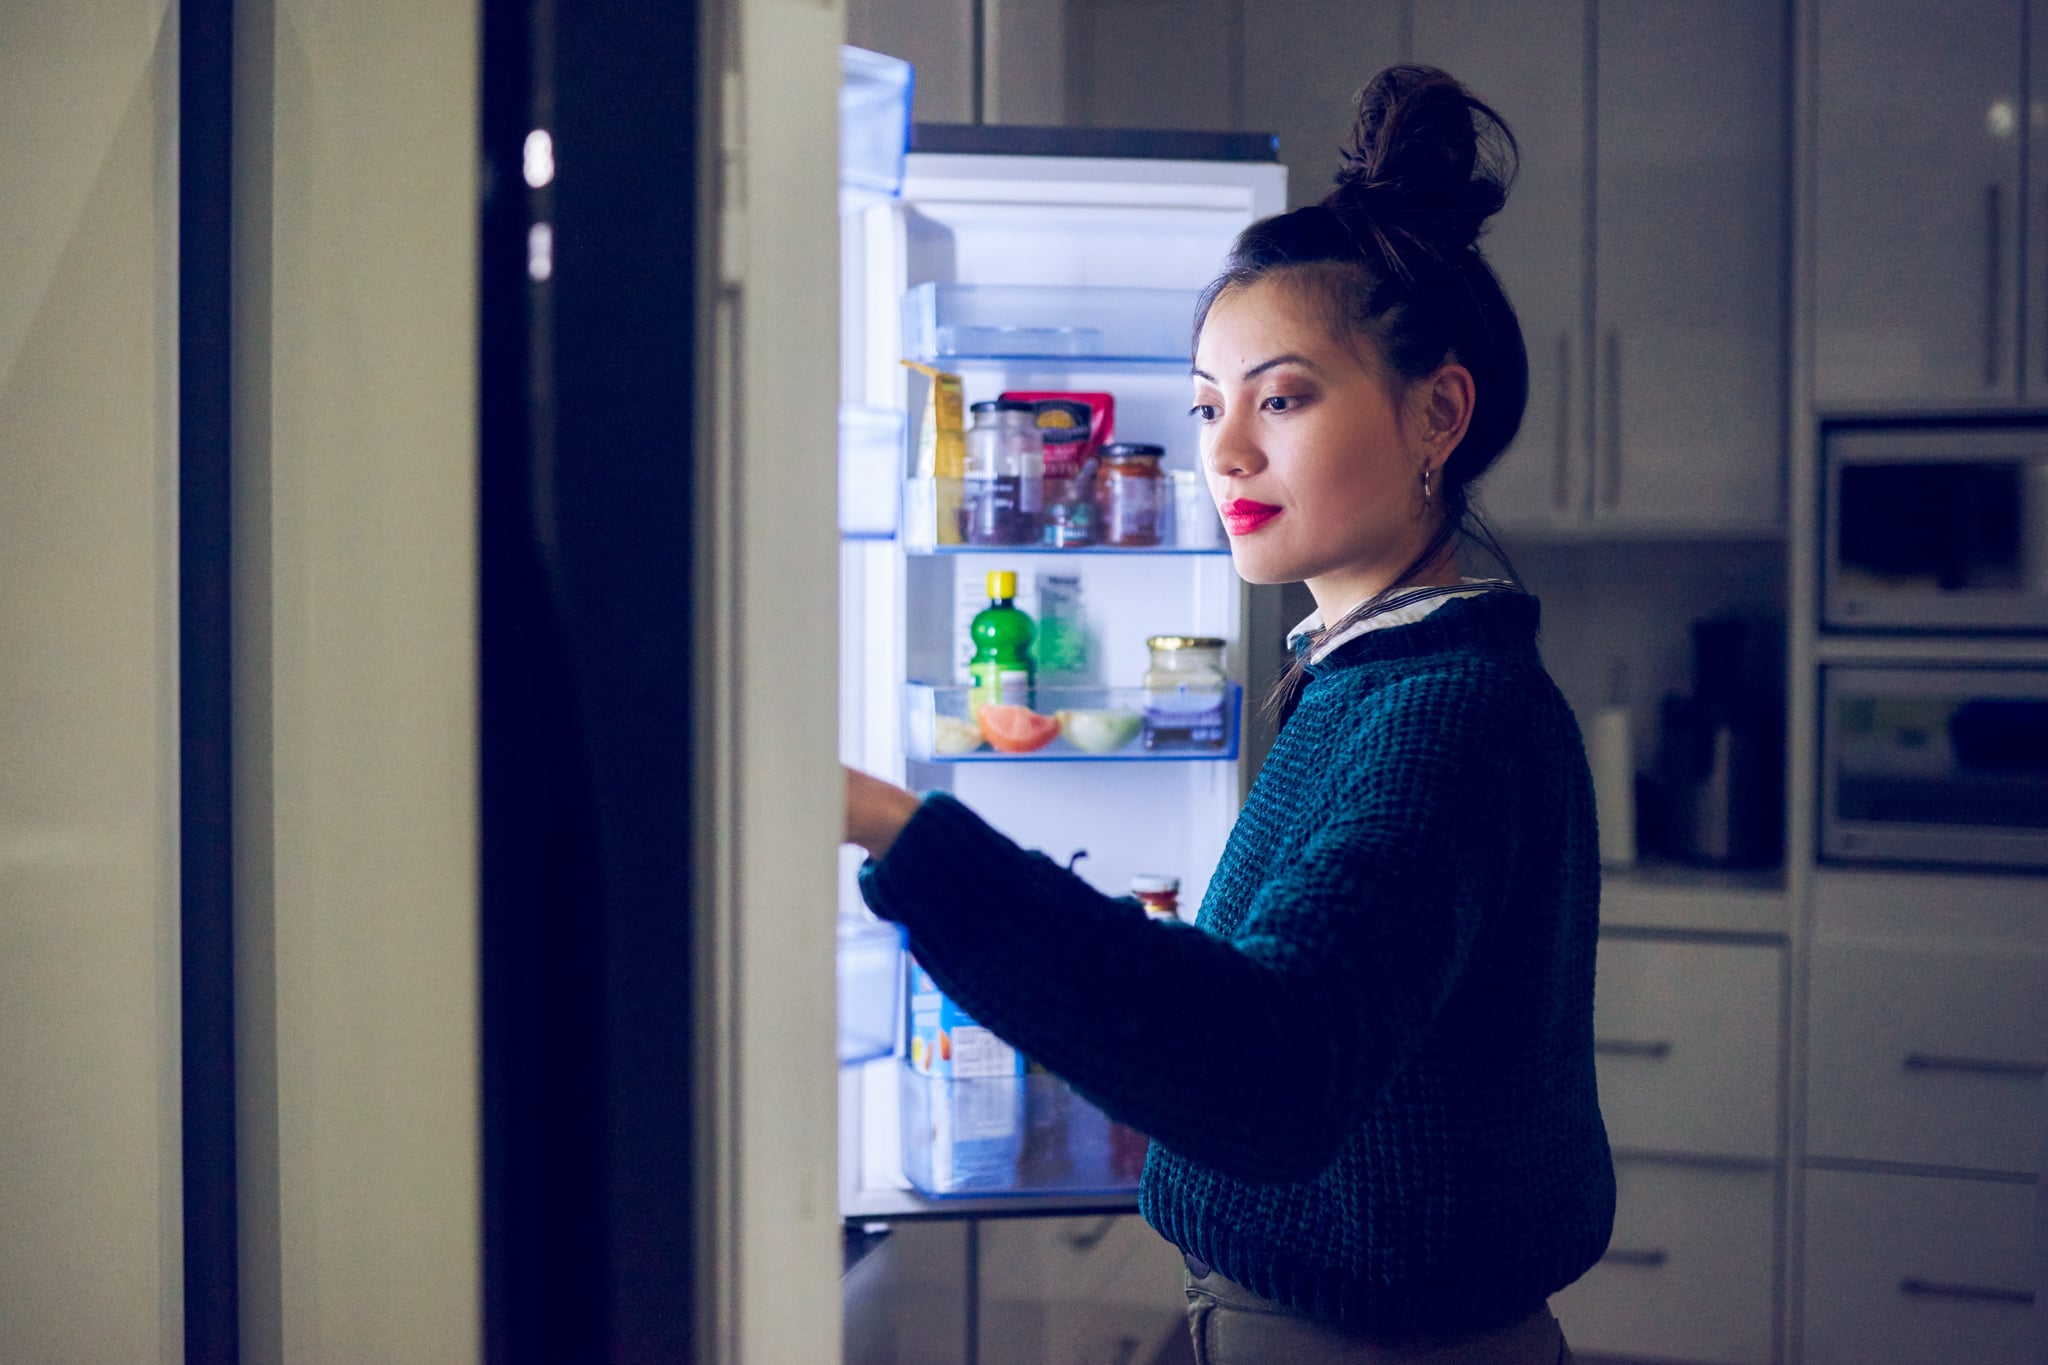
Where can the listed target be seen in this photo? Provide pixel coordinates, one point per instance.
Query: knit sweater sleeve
(1255, 1055)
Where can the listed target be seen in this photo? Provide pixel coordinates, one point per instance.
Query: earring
(1425, 483)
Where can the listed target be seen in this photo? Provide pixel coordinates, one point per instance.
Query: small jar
(1184, 693)
(1069, 482)
(1003, 481)
(1133, 491)
(1159, 895)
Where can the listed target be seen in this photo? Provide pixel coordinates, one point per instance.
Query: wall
(89, 1138)
(355, 447)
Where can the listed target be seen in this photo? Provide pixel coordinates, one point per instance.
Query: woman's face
(1305, 448)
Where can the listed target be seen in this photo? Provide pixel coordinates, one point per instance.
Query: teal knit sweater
(1367, 1070)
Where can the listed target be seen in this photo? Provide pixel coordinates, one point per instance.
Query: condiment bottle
(1184, 693)
(1002, 487)
(1133, 491)
(1001, 670)
(1160, 895)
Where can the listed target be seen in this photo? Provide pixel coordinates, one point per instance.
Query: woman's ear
(1442, 410)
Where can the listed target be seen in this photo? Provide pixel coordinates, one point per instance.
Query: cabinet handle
(1651, 1258)
(1560, 470)
(1629, 1047)
(1974, 1066)
(1613, 490)
(1936, 1289)
(1993, 225)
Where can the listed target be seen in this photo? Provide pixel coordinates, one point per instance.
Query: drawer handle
(1974, 1066)
(1629, 1256)
(1936, 1289)
(1630, 1047)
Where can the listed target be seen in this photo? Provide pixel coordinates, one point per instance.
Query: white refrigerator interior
(1037, 273)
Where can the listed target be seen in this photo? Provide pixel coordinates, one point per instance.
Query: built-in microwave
(1941, 765)
(1935, 526)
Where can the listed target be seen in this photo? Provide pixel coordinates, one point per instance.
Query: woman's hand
(876, 811)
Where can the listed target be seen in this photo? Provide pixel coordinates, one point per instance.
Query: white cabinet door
(1917, 202)
(1528, 60)
(1915, 1270)
(1686, 1039)
(1688, 1272)
(1690, 266)
(1932, 1055)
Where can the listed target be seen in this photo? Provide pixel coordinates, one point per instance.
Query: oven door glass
(1935, 766)
(1938, 529)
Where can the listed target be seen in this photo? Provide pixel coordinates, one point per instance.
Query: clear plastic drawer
(1118, 724)
(951, 324)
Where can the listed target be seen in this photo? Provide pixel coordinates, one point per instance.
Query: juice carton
(945, 1040)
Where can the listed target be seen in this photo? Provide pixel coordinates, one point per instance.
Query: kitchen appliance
(1717, 786)
(1035, 261)
(1935, 764)
(1935, 526)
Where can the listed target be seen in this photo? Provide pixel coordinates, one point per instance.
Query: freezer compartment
(1020, 1135)
(954, 324)
(1095, 724)
(870, 988)
(870, 471)
(933, 522)
(874, 127)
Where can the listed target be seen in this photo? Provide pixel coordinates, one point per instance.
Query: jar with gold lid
(1184, 693)
(1134, 491)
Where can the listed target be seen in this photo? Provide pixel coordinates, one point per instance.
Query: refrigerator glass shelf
(932, 524)
(1011, 1135)
(870, 961)
(1079, 725)
(1080, 325)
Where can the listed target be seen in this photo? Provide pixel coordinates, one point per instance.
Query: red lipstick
(1242, 516)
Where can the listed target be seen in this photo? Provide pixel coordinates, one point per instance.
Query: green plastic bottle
(1001, 669)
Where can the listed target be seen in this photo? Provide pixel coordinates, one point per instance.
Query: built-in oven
(1935, 765)
(1935, 527)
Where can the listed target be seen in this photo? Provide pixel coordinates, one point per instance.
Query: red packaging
(1101, 412)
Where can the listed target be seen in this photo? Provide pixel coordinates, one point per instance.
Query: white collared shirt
(1405, 606)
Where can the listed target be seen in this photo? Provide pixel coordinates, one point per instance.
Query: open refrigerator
(1023, 259)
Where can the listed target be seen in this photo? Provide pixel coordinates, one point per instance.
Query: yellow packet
(941, 437)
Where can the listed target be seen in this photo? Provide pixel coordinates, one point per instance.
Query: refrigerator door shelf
(870, 471)
(870, 988)
(1094, 724)
(1079, 326)
(874, 127)
(931, 525)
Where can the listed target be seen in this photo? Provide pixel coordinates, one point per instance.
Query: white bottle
(1612, 759)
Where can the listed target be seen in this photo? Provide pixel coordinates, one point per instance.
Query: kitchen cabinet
(1686, 1037)
(1688, 1273)
(1926, 1051)
(1930, 1054)
(1644, 249)
(1926, 195)
(1916, 1270)
(1687, 1029)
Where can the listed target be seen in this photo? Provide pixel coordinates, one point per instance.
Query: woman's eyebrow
(1264, 365)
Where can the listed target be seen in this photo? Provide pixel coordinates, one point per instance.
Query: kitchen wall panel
(89, 1133)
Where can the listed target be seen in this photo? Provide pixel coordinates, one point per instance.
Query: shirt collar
(1403, 607)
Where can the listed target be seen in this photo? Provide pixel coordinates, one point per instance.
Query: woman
(1367, 1070)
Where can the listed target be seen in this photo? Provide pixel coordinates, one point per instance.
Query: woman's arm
(1257, 1055)
(876, 812)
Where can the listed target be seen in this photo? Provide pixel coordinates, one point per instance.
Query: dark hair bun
(1427, 161)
